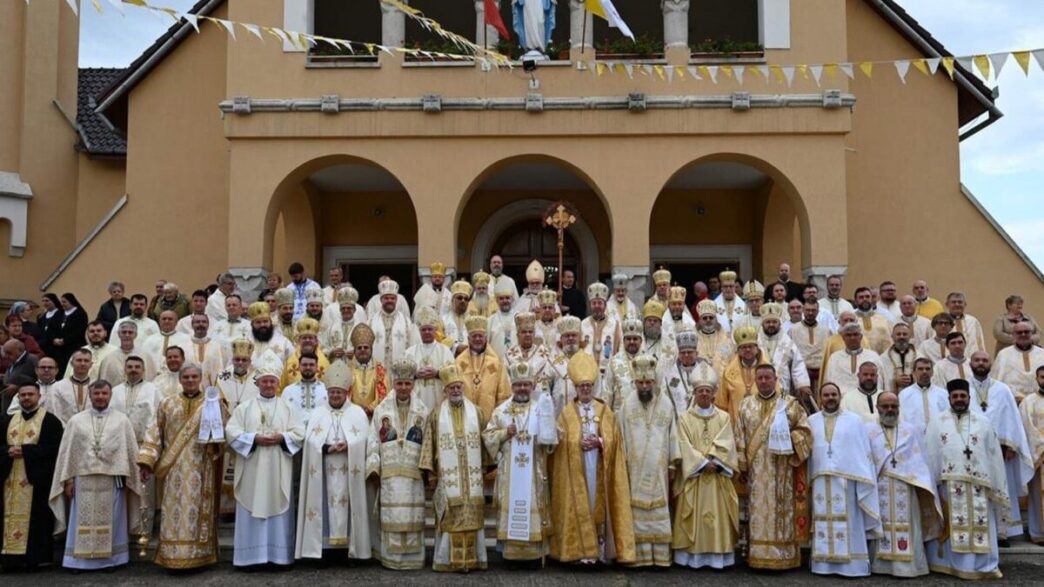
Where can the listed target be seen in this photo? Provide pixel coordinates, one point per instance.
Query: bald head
(14, 348)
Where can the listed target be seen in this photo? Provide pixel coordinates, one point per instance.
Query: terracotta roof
(96, 136)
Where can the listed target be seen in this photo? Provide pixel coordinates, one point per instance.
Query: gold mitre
(632, 327)
(726, 277)
(643, 367)
(772, 310)
(519, 372)
(403, 370)
(547, 297)
(597, 291)
(451, 374)
(653, 308)
(313, 294)
(461, 288)
(476, 323)
(338, 376)
(620, 280)
(242, 347)
(582, 369)
(284, 296)
(745, 335)
(480, 279)
(525, 320)
(426, 316)
(706, 307)
(362, 334)
(676, 294)
(569, 324)
(347, 296)
(753, 290)
(258, 311)
(661, 276)
(388, 287)
(268, 365)
(703, 375)
(305, 326)
(504, 287)
(685, 337)
(438, 269)
(535, 271)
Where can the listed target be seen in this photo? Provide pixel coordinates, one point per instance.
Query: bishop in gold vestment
(188, 473)
(773, 441)
(484, 372)
(590, 495)
(706, 511)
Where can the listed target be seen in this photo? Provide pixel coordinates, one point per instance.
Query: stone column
(638, 282)
(249, 282)
(818, 274)
(676, 31)
(393, 26)
(577, 15)
(485, 35)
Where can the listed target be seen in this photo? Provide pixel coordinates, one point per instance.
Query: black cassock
(40, 460)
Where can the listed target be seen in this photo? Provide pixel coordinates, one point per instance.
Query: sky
(1003, 165)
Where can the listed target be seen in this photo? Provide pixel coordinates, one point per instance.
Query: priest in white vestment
(649, 429)
(677, 315)
(70, 396)
(777, 348)
(1032, 411)
(862, 401)
(898, 360)
(956, 364)
(429, 356)
(920, 327)
(1017, 364)
(145, 326)
(599, 333)
(432, 294)
(265, 433)
(237, 386)
(332, 511)
(923, 401)
(677, 375)
(995, 399)
(845, 508)
(906, 492)
(501, 326)
(965, 323)
(618, 381)
(111, 368)
(621, 306)
(393, 331)
(393, 450)
(520, 435)
(205, 351)
(96, 480)
(842, 367)
(964, 457)
(539, 358)
(338, 339)
(157, 344)
(730, 305)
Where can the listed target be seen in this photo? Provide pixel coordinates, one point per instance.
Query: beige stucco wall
(907, 218)
(100, 184)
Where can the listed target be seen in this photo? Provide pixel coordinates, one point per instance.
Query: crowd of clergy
(879, 432)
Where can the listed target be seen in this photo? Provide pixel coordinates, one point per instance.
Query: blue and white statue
(533, 21)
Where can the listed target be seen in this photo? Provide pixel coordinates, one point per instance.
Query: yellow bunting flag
(947, 62)
(1023, 59)
(921, 66)
(830, 69)
(659, 71)
(867, 67)
(600, 67)
(983, 63)
(679, 71)
(727, 70)
(803, 70)
(778, 72)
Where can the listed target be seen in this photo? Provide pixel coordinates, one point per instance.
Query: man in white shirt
(216, 302)
(146, 326)
(833, 302)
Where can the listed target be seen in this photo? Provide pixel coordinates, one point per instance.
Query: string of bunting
(986, 64)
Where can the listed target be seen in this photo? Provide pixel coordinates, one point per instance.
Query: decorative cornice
(433, 103)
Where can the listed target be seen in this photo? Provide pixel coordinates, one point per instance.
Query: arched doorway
(531, 239)
(503, 215)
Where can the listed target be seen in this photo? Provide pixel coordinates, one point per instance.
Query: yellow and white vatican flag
(606, 10)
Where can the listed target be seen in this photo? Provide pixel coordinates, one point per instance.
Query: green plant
(724, 46)
(644, 45)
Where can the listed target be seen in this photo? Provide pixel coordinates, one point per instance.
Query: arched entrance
(725, 211)
(503, 215)
(350, 213)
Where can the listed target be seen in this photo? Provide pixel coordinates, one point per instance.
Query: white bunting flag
(712, 70)
(694, 73)
(847, 68)
(933, 64)
(817, 73)
(902, 67)
(254, 30)
(228, 26)
(788, 72)
(739, 71)
(998, 60)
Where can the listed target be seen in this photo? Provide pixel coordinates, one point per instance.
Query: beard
(571, 349)
(868, 386)
(316, 316)
(652, 333)
(482, 300)
(645, 396)
(263, 333)
(889, 420)
(981, 372)
(771, 330)
(902, 346)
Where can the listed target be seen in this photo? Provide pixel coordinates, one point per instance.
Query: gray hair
(851, 327)
(170, 286)
(226, 278)
(113, 285)
(128, 325)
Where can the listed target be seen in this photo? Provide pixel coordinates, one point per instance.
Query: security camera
(529, 65)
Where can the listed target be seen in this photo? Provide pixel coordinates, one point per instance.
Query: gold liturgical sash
(18, 493)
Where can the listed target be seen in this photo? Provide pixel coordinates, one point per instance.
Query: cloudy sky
(1003, 166)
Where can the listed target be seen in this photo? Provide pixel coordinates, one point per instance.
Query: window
(454, 15)
(355, 20)
(723, 27)
(645, 20)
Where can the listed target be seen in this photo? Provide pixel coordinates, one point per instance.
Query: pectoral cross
(830, 451)
(967, 453)
(894, 462)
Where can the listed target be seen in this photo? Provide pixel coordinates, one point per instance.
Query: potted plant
(644, 46)
(327, 53)
(726, 48)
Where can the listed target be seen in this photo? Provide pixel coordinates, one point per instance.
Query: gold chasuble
(584, 525)
(706, 514)
(778, 505)
(188, 475)
(485, 379)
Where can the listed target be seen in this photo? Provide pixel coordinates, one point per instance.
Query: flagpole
(583, 33)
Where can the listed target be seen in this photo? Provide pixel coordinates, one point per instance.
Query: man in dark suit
(21, 371)
(795, 290)
(574, 302)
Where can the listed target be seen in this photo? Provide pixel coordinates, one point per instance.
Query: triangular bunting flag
(647, 69)
(228, 26)
(739, 71)
(72, 4)
(902, 67)
(867, 67)
(933, 64)
(947, 63)
(778, 72)
(659, 71)
(983, 63)
(1023, 59)
(727, 70)
(788, 72)
(253, 29)
(97, 6)
(817, 72)
(679, 71)
(670, 74)
(192, 19)
(998, 60)
(1039, 56)
(966, 63)
(629, 69)
(847, 68)
(830, 69)
(803, 70)
(704, 72)
(712, 71)
(600, 67)
(764, 71)
(921, 66)
(696, 75)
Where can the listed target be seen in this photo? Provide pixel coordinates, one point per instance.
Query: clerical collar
(79, 381)
(956, 316)
(365, 365)
(27, 414)
(192, 395)
(710, 330)
(770, 337)
(955, 360)
(172, 332)
(1025, 349)
(677, 318)
(230, 321)
(768, 397)
(402, 402)
(602, 319)
(97, 345)
(909, 319)
(854, 352)
(133, 383)
(747, 363)
(201, 339)
(831, 414)
(709, 410)
(807, 323)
